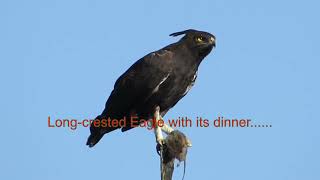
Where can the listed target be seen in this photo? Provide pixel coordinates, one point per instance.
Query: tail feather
(93, 139)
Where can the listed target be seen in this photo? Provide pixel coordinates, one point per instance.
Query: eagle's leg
(168, 129)
(157, 129)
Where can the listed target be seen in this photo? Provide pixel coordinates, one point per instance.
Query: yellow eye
(200, 39)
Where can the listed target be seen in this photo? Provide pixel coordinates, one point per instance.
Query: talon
(160, 145)
(160, 141)
(158, 148)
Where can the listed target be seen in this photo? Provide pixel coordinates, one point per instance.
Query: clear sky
(61, 58)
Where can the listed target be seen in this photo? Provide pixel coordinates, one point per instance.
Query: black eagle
(155, 82)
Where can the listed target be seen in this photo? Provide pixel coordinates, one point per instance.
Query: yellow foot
(160, 141)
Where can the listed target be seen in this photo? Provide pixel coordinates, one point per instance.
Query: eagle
(154, 84)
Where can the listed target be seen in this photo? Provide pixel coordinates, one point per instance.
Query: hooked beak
(212, 41)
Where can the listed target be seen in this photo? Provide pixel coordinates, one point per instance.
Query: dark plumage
(160, 78)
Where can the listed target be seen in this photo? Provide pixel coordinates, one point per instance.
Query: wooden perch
(175, 147)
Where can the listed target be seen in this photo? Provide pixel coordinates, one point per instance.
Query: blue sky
(61, 59)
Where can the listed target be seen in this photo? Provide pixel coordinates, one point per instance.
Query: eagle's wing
(135, 86)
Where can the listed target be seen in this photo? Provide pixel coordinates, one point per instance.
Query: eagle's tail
(93, 139)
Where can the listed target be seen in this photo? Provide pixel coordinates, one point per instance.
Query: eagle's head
(199, 42)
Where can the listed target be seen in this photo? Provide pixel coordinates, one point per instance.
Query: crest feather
(182, 32)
